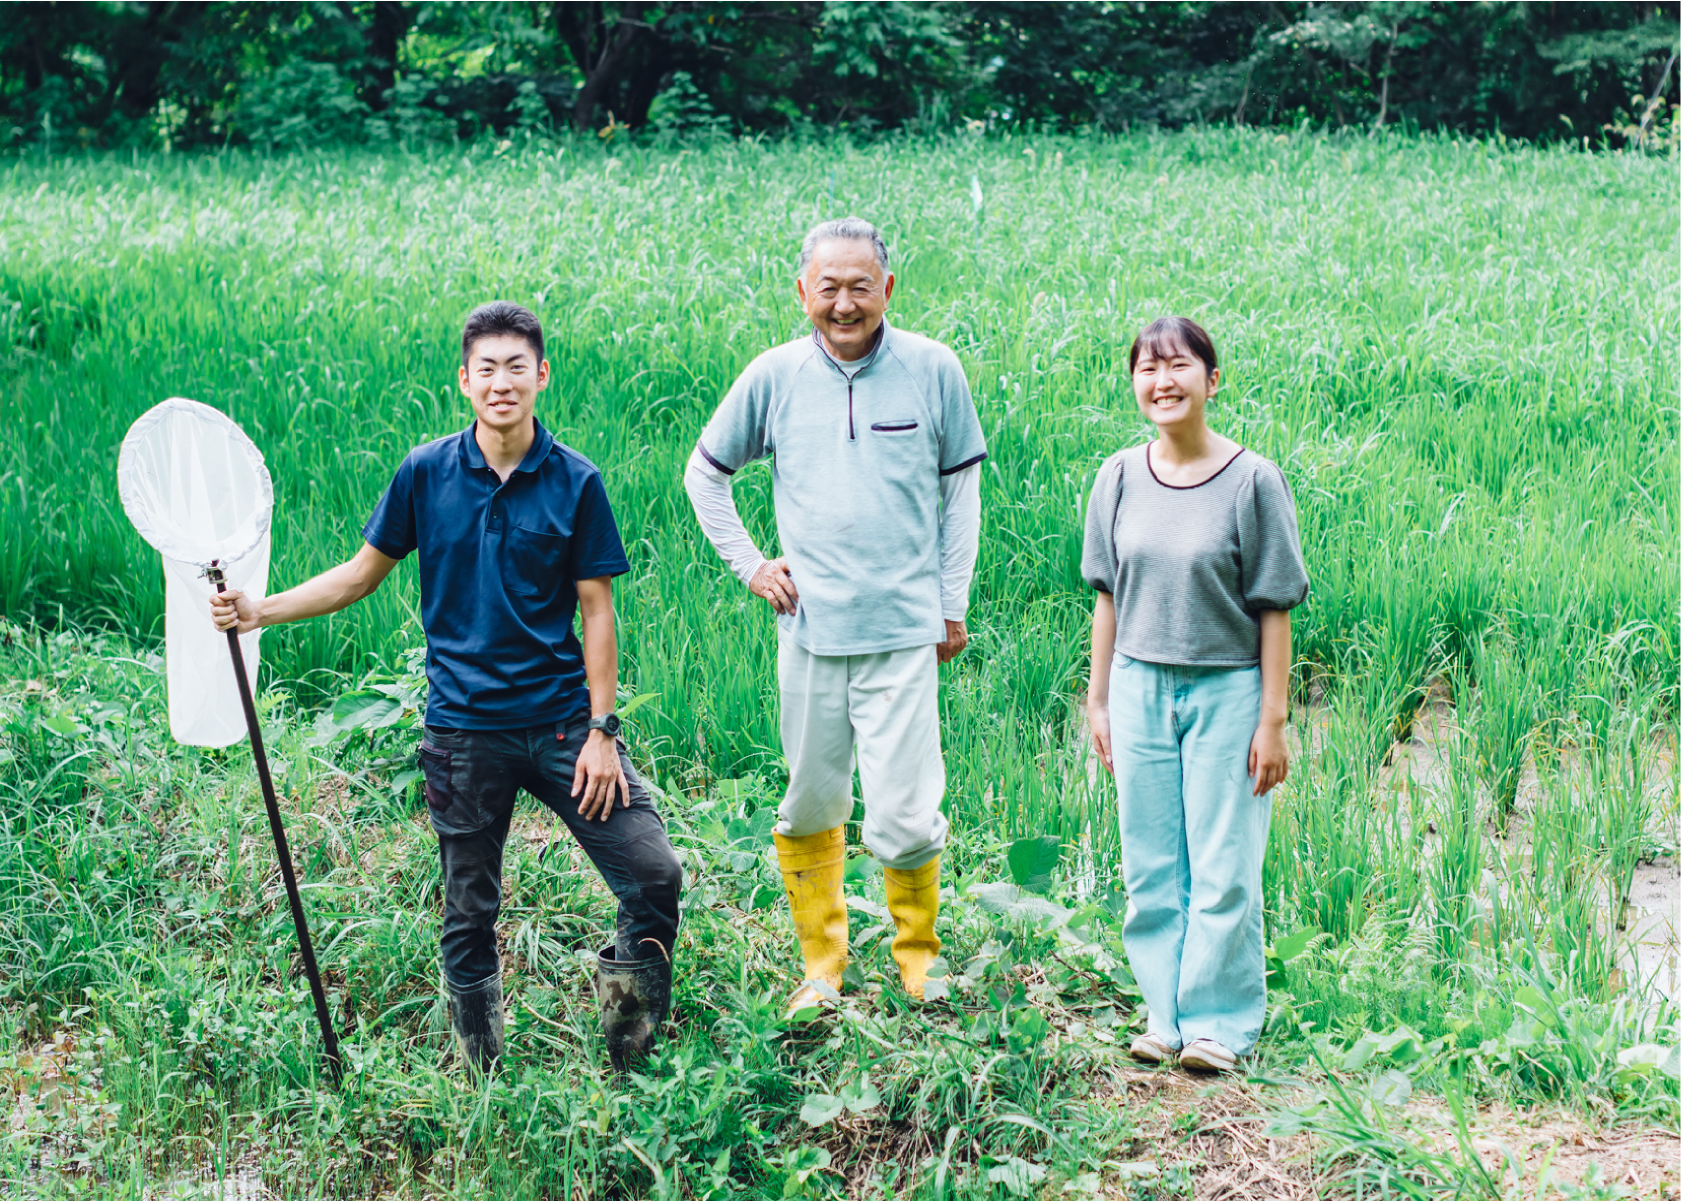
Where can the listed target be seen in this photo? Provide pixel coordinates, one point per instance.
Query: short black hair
(501, 318)
(1165, 335)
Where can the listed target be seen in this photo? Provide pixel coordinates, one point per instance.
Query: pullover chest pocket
(532, 561)
(900, 448)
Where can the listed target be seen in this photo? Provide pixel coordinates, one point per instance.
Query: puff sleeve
(1269, 544)
(1097, 554)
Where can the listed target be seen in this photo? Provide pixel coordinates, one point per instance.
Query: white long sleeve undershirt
(960, 529)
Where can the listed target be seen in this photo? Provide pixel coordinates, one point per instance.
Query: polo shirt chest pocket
(533, 562)
(900, 444)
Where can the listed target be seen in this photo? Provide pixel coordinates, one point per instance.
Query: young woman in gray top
(1192, 547)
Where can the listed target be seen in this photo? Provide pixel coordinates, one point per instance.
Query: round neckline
(1149, 464)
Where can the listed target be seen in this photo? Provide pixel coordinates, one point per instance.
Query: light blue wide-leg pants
(1192, 838)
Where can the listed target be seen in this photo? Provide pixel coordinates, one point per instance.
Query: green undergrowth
(162, 1027)
(1462, 354)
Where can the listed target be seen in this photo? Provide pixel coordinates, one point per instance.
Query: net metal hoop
(138, 487)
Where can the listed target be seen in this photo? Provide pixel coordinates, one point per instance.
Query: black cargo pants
(472, 777)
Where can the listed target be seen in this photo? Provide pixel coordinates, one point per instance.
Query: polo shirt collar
(859, 365)
(534, 456)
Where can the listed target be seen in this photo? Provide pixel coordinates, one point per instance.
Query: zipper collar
(861, 364)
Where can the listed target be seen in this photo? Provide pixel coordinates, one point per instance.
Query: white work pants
(884, 709)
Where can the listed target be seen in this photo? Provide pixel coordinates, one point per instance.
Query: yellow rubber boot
(913, 898)
(813, 869)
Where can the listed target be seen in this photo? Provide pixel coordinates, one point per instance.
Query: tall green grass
(1463, 356)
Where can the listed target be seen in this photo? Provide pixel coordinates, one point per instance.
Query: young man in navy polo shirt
(514, 534)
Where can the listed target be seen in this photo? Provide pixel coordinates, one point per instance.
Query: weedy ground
(1462, 354)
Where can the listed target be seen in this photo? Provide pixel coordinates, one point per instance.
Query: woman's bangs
(1164, 344)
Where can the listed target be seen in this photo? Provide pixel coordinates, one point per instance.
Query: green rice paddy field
(1464, 356)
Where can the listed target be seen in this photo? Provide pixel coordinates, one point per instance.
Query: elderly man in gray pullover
(875, 450)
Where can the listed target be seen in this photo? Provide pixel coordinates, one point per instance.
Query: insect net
(195, 487)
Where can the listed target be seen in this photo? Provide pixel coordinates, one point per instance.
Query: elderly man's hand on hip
(957, 637)
(775, 583)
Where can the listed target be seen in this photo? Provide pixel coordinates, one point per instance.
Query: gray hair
(847, 229)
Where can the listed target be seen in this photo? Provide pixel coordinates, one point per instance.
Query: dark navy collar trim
(966, 463)
(881, 340)
(1188, 487)
(707, 455)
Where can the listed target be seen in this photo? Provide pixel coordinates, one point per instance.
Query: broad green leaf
(1027, 1030)
(1033, 862)
(860, 1097)
(1358, 1055)
(1653, 1057)
(1391, 1089)
(1046, 914)
(1286, 949)
(995, 898)
(820, 1109)
(1136, 1169)
(364, 709)
(1531, 999)
(860, 868)
(60, 723)
(1018, 1176)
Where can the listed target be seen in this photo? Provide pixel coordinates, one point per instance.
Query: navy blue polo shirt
(498, 569)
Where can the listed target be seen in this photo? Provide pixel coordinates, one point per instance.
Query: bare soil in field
(1216, 1130)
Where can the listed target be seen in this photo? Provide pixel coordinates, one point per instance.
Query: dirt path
(1215, 1132)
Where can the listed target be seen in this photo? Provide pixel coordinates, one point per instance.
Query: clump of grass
(1499, 716)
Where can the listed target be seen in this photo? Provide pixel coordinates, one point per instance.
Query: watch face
(609, 725)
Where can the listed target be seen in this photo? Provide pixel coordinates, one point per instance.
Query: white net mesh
(196, 488)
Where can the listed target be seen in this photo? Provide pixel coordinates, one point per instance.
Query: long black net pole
(281, 850)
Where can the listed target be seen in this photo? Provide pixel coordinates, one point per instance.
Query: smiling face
(1172, 385)
(844, 290)
(502, 377)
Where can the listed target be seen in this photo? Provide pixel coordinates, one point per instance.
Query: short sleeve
(595, 548)
(391, 529)
(1269, 545)
(735, 436)
(962, 442)
(1097, 554)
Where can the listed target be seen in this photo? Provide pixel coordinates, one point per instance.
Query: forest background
(173, 75)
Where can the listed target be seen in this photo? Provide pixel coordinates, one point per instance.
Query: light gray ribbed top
(1192, 568)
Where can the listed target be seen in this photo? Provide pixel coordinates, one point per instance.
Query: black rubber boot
(635, 996)
(475, 1014)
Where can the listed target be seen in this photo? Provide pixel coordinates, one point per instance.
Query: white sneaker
(1151, 1048)
(1206, 1055)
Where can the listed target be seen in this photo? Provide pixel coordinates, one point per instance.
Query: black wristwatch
(607, 723)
